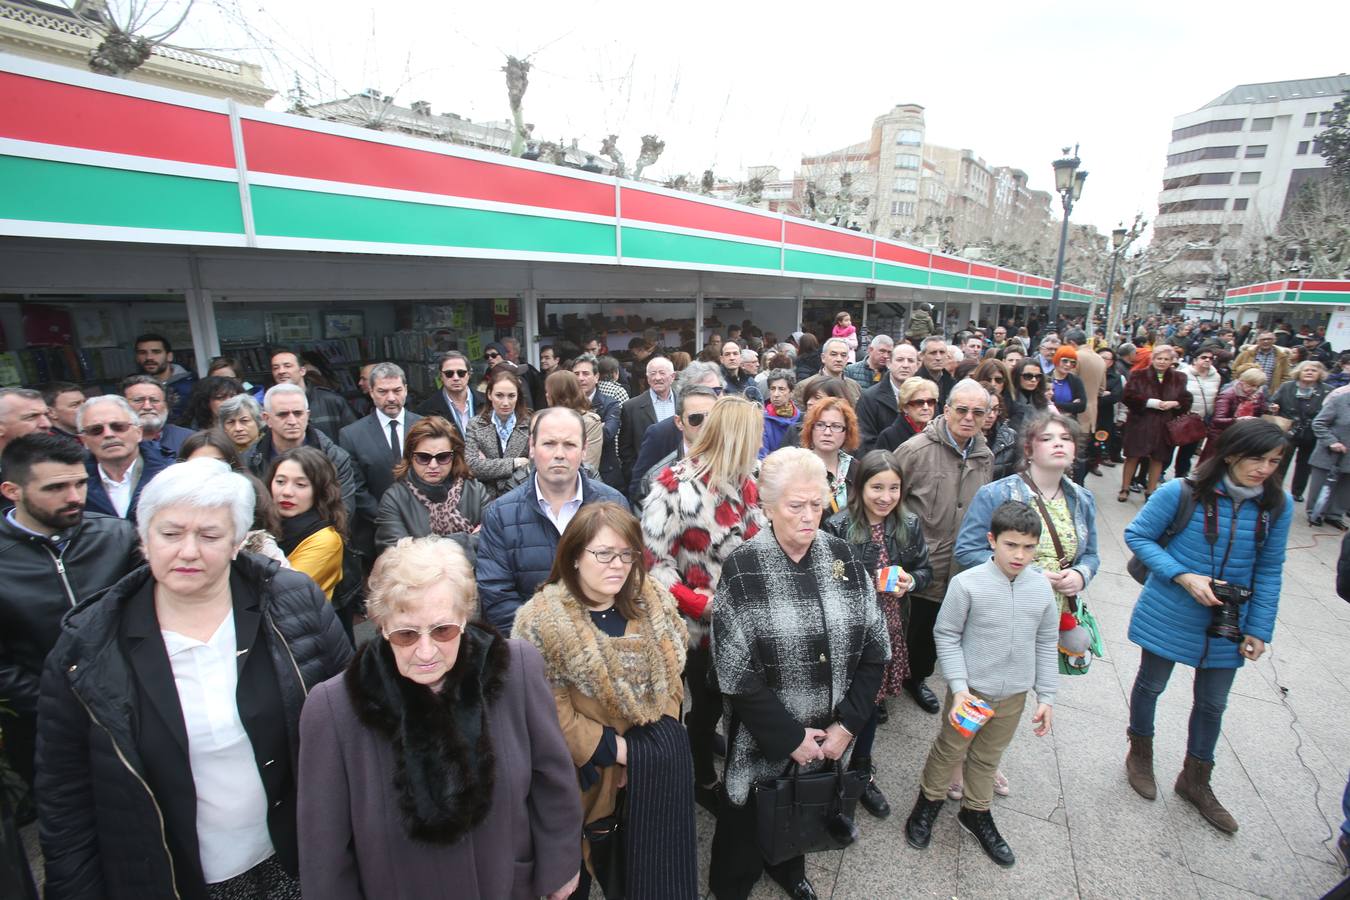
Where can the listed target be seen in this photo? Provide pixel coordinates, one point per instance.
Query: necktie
(393, 436)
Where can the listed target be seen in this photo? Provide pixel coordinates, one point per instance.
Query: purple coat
(353, 842)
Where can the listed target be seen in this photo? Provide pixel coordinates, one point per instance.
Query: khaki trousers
(982, 752)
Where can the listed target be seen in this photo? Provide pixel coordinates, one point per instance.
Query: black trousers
(1186, 453)
(1298, 454)
(705, 709)
(919, 637)
(736, 864)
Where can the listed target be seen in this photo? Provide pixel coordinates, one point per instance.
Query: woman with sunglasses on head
(614, 649)
(433, 492)
(1029, 392)
(305, 486)
(918, 402)
(1070, 397)
(434, 766)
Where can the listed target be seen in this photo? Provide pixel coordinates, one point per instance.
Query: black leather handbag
(804, 813)
(609, 861)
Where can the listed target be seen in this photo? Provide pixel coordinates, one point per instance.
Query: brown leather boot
(1139, 766)
(1193, 786)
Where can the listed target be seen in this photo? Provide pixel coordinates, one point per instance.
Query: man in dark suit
(120, 463)
(375, 444)
(454, 402)
(663, 438)
(653, 405)
(586, 368)
(879, 407)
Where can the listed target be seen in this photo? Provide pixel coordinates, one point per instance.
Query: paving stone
(1045, 861)
(882, 865)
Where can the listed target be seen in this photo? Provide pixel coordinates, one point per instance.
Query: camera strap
(1211, 507)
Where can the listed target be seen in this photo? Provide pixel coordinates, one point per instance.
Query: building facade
(1233, 167)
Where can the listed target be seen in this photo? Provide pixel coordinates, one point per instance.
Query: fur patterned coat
(599, 681)
(690, 529)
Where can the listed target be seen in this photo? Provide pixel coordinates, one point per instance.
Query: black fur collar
(444, 765)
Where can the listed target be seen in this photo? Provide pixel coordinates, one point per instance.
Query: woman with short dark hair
(498, 438)
(433, 491)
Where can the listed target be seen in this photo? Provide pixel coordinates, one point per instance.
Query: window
(1303, 148)
(903, 208)
(1310, 120)
(1317, 147)
(1176, 159)
(1263, 124)
(1256, 151)
(1249, 178)
(909, 137)
(1219, 126)
(1234, 230)
(1202, 178)
(906, 185)
(906, 161)
(1239, 204)
(1325, 119)
(1203, 204)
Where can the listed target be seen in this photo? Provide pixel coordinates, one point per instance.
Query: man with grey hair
(834, 357)
(22, 411)
(933, 359)
(656, 404)
(146, 396)
(375, 445)
(872, 370)
(120, 463)
(328, 412)
(664, 437)
(286, 416)
(750, 365)
(941, 468)
(586, 368)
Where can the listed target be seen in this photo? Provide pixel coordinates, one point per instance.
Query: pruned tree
(1335, 139)
(707, 183)
(1314, 234)
(610, 148)
(652, 148)
(517, 82)
(130, 30)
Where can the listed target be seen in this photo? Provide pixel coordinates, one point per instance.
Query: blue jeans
(1211, 697)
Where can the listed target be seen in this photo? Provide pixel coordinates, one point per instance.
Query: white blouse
(231, 802)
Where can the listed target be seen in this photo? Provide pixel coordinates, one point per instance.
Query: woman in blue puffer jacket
(1234, 540)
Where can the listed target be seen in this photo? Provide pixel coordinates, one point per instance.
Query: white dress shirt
(664, 409)
(565, 513)
(231, 802)
(119, 492)
(402, 427)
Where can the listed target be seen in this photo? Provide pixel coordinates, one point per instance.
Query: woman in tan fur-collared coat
(614, 649)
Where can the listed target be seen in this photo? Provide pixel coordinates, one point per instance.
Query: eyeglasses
(441, 634)
(922, 403)
(1069, 362)
(114, 427)
(454, 373)
(492, 354)
(425, 459)
(719, 391)
(1033, 376)
(605, 557)
(696, 419)
(997, 379)
(289, 413)
(978, 412)
(830, 427)
(1203, 356)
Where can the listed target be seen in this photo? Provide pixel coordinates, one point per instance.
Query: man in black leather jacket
(53, 554)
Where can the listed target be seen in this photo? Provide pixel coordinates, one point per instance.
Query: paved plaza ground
(1075, 825)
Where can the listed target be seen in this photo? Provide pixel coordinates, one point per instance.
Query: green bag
(1079, 665)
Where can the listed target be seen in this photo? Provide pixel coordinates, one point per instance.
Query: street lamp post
(1218, 294)
(1117, 242)
(1069, 184)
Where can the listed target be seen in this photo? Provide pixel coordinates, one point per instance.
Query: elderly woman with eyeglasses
(433, 491)
(918, 401)
(614, 650)
(168, 721)
(434, 766)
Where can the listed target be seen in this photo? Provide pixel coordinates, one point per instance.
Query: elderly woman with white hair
(170, 709)
(799, 647)
(240, 419)
(435, 765)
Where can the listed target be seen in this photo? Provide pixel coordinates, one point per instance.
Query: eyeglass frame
(97, 429)
(418, 457)
(429, 632)
(614, 554)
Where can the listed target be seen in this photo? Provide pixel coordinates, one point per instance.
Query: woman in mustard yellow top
(308, 496)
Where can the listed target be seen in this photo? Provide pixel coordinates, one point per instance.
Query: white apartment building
(1233, 166)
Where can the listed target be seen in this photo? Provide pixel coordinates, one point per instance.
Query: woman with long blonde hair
(699, 510)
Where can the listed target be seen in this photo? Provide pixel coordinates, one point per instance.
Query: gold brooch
(839, 571)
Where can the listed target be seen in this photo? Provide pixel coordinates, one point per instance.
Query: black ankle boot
(981, 826)
(919, 825)
(872, 799)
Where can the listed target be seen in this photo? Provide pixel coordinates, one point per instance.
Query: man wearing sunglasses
(663, 438)
(120, 463)
(692, 405)
(455, 402)
(375, 445)
(286, 414)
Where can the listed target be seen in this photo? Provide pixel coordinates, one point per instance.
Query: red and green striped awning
(1290, 291)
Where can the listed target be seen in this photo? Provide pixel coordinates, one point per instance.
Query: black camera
(1225, 621)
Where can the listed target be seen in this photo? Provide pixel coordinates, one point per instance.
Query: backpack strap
(1182, 517)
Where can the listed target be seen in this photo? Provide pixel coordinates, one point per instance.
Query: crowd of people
(605, 593)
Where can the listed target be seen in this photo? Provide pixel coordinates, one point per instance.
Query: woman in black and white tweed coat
(799, 646)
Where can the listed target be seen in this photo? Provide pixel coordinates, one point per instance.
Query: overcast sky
(734, 84)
